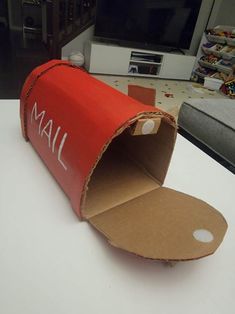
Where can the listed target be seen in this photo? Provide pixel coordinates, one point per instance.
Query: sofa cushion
(212, 122)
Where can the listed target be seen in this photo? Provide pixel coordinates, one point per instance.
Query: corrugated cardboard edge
(205, 249)
(27, 90)
(29, 85)
(31, 81)
(168, 118)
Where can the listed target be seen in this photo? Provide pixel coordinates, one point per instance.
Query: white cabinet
(110, 59)
(177, 66)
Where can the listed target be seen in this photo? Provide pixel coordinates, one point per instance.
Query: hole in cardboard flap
(203, 235)
(131, 166)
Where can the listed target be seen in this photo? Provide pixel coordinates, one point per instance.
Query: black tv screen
(168, 23)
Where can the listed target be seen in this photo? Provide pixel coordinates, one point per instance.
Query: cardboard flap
(163, 224)
(130, 166)
(116, 180)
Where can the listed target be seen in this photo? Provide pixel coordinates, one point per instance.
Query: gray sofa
(211, 122)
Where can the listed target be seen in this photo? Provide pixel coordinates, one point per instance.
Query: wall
(77, 44)
(15, 11)
(200, 26)
(223, 13)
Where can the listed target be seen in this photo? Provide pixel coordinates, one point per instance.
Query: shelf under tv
(104, 58)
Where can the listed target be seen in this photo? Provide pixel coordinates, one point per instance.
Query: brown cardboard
(126, 203)
(110, 154)
(144, 94)
(116, 180)
(160, 225)
(146, 126)
(131, 166)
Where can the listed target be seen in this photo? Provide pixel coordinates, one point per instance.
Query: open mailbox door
(110, 154)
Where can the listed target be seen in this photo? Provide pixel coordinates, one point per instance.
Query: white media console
(103, 58)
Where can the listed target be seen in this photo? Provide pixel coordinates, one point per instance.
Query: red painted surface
(69, 117)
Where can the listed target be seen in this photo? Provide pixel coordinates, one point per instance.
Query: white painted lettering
(60, 150)
(47, 131)
(55, 138)
(36, 116)
(48, 134)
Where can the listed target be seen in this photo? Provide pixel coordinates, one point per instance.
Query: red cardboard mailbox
(110, 154)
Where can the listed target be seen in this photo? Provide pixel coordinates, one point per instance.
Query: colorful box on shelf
(224, 66)
(110, 154)
(230, 41)
(226, 52)
(207, 65)
(211, 50)
(218, 66)
(222, 34)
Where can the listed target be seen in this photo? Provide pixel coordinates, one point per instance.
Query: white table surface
(52, 263)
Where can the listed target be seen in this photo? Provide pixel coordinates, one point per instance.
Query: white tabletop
(52, 263)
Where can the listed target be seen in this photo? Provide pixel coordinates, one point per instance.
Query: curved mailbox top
(110, 154)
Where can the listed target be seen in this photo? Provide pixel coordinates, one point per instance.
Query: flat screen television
(149, 23)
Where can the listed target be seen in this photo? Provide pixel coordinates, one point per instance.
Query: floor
(170, 94)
